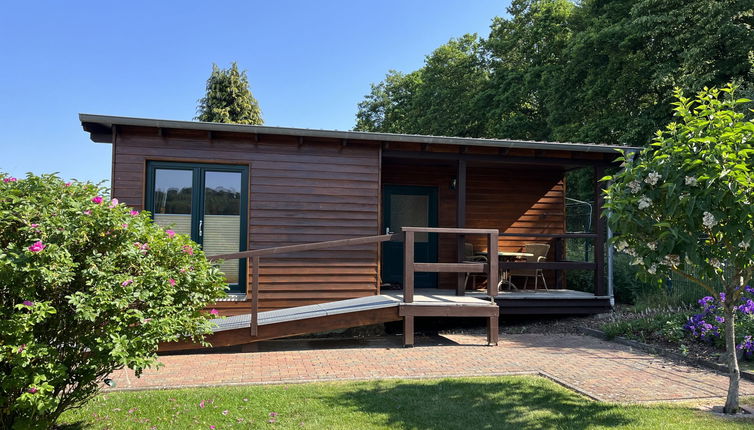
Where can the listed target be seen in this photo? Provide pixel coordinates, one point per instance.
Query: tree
(87, 286)
(438, 99)
(391, 107)
(684, 205)
(228, 98)
(523, 51)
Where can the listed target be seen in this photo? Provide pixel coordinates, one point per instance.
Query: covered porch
(520, 192)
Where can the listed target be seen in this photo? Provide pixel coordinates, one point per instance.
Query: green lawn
(517, 402)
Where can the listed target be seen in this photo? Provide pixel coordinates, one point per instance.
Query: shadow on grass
(525, 403)
(78, 425)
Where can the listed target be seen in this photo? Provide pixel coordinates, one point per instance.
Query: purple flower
(747, 308)
(21, 348)
(37, 246)
(722, 297)
(746, 346)
(720, 319)
(31, 390)
(127, 282)
(28, 303)
(97, 200)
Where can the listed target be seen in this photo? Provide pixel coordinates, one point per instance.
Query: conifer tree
(228, 98)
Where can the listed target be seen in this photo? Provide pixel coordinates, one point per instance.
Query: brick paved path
(600, 369)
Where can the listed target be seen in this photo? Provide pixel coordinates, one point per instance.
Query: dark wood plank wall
(299, 193)
(511, 199)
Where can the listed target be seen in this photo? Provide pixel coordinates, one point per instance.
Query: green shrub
(664, 324)
(87, 286)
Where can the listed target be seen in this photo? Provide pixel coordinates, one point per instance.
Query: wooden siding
(299, 193)
(511, 199)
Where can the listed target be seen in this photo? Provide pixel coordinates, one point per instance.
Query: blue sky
(309, 64)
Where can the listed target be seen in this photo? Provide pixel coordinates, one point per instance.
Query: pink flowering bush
(87, 286)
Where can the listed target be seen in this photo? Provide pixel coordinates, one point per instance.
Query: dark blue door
(409, 206)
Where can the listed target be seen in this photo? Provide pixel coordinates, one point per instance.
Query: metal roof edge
(108, 121)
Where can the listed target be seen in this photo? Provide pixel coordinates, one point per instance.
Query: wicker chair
(540, 254)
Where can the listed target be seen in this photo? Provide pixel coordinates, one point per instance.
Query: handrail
(450, 230)
(553, 236)
(410, 266)
(255, 254)
(306, 247)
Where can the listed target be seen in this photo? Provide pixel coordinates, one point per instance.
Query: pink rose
(170, 233)
(37, 246)
(214, 312)
(127, 282)
(87, 212)
(32, 390)
(134, 213)
(11, 179)
(171, 281)
(97, 200)
(188, 250)
(68, 184)
(113, 203)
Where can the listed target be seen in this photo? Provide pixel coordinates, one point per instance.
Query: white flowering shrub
(684, 204)
(87, 286)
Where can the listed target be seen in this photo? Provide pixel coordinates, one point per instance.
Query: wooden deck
(235, 330)
(551, 302)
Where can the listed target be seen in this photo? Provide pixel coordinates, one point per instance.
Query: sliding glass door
(206, 201)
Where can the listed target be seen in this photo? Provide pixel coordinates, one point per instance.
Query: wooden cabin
(241, 187)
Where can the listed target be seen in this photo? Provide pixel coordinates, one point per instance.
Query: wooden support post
(599, 228)
(254, 295)
(408, 267)
(492, 267)
(559, 278)
(408, 330)
(461, 222)
(493, 331)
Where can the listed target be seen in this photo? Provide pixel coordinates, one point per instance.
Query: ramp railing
(252, 288)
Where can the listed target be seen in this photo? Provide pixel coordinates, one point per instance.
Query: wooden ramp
(236, 330)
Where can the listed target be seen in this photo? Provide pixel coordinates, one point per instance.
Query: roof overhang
(101, 129)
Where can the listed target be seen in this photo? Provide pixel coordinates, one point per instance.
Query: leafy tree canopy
(599, 71)
(228, 98)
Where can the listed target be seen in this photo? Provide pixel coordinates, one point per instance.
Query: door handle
(201, 228)
(387, 231)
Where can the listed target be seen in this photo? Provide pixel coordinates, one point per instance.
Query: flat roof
(102, 125)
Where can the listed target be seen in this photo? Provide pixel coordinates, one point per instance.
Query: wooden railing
(410, 267)
(255, 255)
(559, 265)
